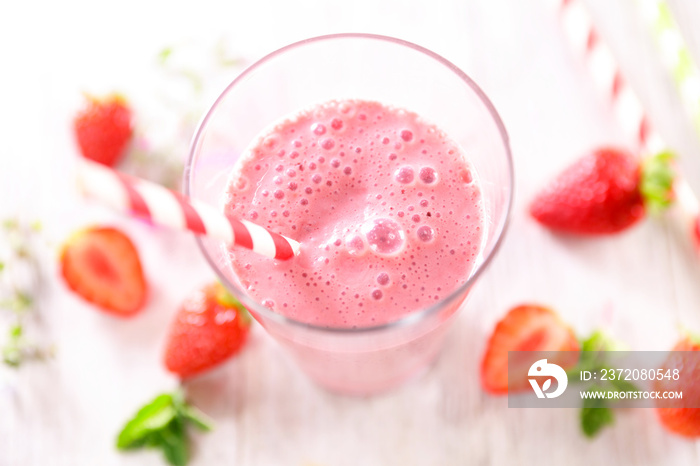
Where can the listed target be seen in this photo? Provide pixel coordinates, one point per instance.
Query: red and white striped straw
(161, 206)
(584, 38)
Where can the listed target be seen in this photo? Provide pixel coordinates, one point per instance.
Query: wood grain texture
(640, 285)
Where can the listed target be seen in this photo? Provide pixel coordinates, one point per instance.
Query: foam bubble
(328, 143)
(355, 245)
(425, 233)
(336, 123)
(377, 294)
(428, 175)
(404, 175)
(384, 236)
(406, 135)
(383, 278)
(317, 178)
(279, 194)
(318, 129)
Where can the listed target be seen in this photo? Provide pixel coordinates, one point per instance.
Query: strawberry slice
(525, 328)
(103, 129)
(102, 265)
(210, 327)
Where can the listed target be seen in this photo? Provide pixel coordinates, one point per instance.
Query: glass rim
(413, 317)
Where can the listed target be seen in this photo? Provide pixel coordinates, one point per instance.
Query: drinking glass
(365, 360)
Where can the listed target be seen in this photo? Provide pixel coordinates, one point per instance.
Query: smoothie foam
(386, 207)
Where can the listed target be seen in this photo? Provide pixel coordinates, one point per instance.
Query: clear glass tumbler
(368, 360)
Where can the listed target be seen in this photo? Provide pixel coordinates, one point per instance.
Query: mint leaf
(162, 424)
(595, 414)
(623, 385)
(174, 443)
(152, 417)
(198, 418)
(597, 341)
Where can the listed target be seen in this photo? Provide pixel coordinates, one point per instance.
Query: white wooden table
(640, 285)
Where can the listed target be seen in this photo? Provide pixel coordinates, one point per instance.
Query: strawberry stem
(225, 298)
(656, 184)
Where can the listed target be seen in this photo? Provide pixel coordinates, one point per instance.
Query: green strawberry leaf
(595, 415)
(225, 298)
(656, 184)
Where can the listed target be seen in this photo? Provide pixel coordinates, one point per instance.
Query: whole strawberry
(681, 416)
(103, 129)
(604, 192)
(210, 327)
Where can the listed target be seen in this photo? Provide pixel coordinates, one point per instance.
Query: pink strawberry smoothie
(386, 207)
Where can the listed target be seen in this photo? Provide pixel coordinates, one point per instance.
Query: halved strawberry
(102, 265)
(210, 327)
(524, 328)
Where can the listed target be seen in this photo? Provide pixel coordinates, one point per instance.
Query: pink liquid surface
(386, 206)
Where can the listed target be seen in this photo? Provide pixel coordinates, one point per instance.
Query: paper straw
(167, 208)
(584, 38)
(675, 54)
